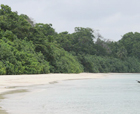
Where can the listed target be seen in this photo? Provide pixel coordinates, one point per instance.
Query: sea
(114, 94)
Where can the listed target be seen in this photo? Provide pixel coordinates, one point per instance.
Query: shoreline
(9, 83)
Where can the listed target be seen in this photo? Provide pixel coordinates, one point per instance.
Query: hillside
(36, 48)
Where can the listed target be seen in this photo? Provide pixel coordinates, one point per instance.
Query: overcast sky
(112, 18)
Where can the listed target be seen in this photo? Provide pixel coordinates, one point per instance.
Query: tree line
(36, 48)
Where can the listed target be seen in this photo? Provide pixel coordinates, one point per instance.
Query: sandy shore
(9, 83)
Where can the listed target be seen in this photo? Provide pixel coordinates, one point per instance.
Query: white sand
(8, 82)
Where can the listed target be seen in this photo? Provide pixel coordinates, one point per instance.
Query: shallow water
(116, 94)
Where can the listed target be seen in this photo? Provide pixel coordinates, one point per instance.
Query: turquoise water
(116, 94)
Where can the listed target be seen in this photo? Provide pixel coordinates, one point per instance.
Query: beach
(9, 83)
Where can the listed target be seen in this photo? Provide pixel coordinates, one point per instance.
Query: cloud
(112, 17)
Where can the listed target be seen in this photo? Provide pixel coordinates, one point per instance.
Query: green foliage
(9, 35)
(19, 57)
(64, 39)
(2, 68)
(4, 9)
(34, 48)
(97, 64)
(63, 62)
(102, 47)
(122, 52)
(83, 40)
(131, 42)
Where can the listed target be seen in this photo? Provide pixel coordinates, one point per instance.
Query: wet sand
(9, 83)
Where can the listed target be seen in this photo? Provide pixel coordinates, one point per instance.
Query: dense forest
(36, 48)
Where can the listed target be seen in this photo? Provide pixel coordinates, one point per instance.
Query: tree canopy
(36, 48)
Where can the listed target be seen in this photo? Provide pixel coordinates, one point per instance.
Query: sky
(111, 18)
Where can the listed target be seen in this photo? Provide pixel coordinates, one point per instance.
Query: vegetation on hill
(36, 48)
